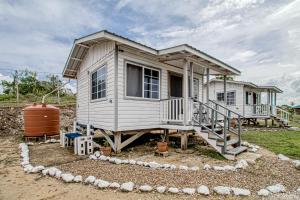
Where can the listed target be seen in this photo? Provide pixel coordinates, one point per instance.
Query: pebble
(240, 192)
(103, 184)
(132, 162)
(296, 164)
(58, 174)
(263, 192)
(173, 190)
(97, 154)
(282, 157)
(207, 167)
(183, 167)
(67, 178)
(114, 185)
(195, 168)
(90, 179)
(161, 189)
(202, 189)
(222, 190)
(278, 188)
(127, 187)
(189, 191)
(146, 188)
(78, 179)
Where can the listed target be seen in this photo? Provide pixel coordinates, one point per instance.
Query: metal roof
(263, 88)
(81, 45)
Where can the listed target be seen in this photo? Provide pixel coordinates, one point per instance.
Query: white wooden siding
(97, 113)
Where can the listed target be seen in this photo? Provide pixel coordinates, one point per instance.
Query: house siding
(99, 113)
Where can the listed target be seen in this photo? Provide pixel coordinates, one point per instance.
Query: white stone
(28, 168)
(241, 164)
(207, 167)
(53, 140)
(78, 179)
(189, 191)
(90, 179)
(103, 184)
(103, 158)
(166, 166)
(37, 169)
(222, 190)
(97, 154)
(45, 172)
(114, 185)
(298, 190)
(161, 189)
(118, 161)
(183, 167)
(154, 165)
(52, 171)
(195, 168)
(202, 189)
(96, 182)
(112, 160)
(173, 167)
(93, 157)
(125, 161)
(67, 178)
(58, 174)
(240, 192)
(245, 143)
(146, 188)
(218, 168)
(23, 163)
(140, 163)
(127, 187)
(132, 162)
(173, 190)
(21, 145)
(263, 192)
(276, 188)
(146, 164)
(229, 168)
(30, 143)
(296, 164)
(282, 157)
(253, 150)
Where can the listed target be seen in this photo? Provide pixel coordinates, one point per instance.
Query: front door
(176, 86)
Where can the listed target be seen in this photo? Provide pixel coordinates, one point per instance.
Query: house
(246, 99)
(124, 87)
(296, 109)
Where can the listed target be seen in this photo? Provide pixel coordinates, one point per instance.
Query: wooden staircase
(214, 127)
(281, 117)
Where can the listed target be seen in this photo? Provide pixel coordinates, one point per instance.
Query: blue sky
(259, 37)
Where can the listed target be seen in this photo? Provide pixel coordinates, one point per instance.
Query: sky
(261, 38)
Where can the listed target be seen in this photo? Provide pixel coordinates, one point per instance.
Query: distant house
(127, 88)
(296, 109)
(245, 98)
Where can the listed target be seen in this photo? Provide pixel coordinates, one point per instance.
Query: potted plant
(162, 146)
(105, 149)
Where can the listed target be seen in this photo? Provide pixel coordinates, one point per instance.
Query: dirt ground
(15, 184)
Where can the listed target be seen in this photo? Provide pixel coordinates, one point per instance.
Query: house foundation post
(185, 92)
(117, 141)
(266, 122)
(166, 132)
(184, 140)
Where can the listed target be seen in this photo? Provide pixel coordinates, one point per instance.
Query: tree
(9, 87)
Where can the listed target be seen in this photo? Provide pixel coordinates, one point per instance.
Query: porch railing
(261, 110)
(282, 114)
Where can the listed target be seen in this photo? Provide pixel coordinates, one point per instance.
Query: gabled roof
(81, 45)
(249, 84)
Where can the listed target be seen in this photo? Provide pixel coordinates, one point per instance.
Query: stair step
(228, 143)
(236, 150)
(214, 137)
(217, 130)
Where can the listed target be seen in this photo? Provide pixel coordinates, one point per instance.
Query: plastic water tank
(40, 120)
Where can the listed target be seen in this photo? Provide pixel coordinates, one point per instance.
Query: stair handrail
(285, 115)
(220, 105)
(214, 116)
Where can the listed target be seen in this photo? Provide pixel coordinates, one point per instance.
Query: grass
(209, 152)
(295, 121)
(285, 142)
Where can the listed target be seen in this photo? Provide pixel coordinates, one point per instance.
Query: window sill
(141, 99)
(98, 100)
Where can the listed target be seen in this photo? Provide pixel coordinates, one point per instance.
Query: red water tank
(40, 120)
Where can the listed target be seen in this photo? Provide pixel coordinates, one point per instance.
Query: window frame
(217, 96)
(234, 98)
(143, 66)
(91, 84)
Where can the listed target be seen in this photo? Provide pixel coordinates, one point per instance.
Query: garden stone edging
(130, 186)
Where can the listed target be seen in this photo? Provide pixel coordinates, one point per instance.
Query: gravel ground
(266, 171)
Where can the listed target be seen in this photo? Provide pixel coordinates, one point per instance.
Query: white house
(126, 87)
(246, 99)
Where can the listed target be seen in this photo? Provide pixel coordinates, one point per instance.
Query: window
(142, 82)
(220, 96)
(230, 98)
(196, 88)
(99, 83)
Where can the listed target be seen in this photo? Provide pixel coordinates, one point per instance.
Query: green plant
(106, 143)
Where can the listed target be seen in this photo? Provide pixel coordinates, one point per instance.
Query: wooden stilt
(184, 140)
(118, 141)
(272, 122)
(167, 135)
(266, 122)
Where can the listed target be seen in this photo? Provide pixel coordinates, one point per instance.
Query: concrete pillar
(184, 140)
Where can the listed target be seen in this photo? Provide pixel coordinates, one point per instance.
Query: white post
(207, 86)
(275, 98)
(74, 126)
(192, 79)
(88, 129)
(225, 90)
(185, 91)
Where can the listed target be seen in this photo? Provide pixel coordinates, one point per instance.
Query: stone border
(296, 163)
(130, 186)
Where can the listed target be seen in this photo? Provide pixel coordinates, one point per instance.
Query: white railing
(172, 110)
(282, 114)
(261, 110)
